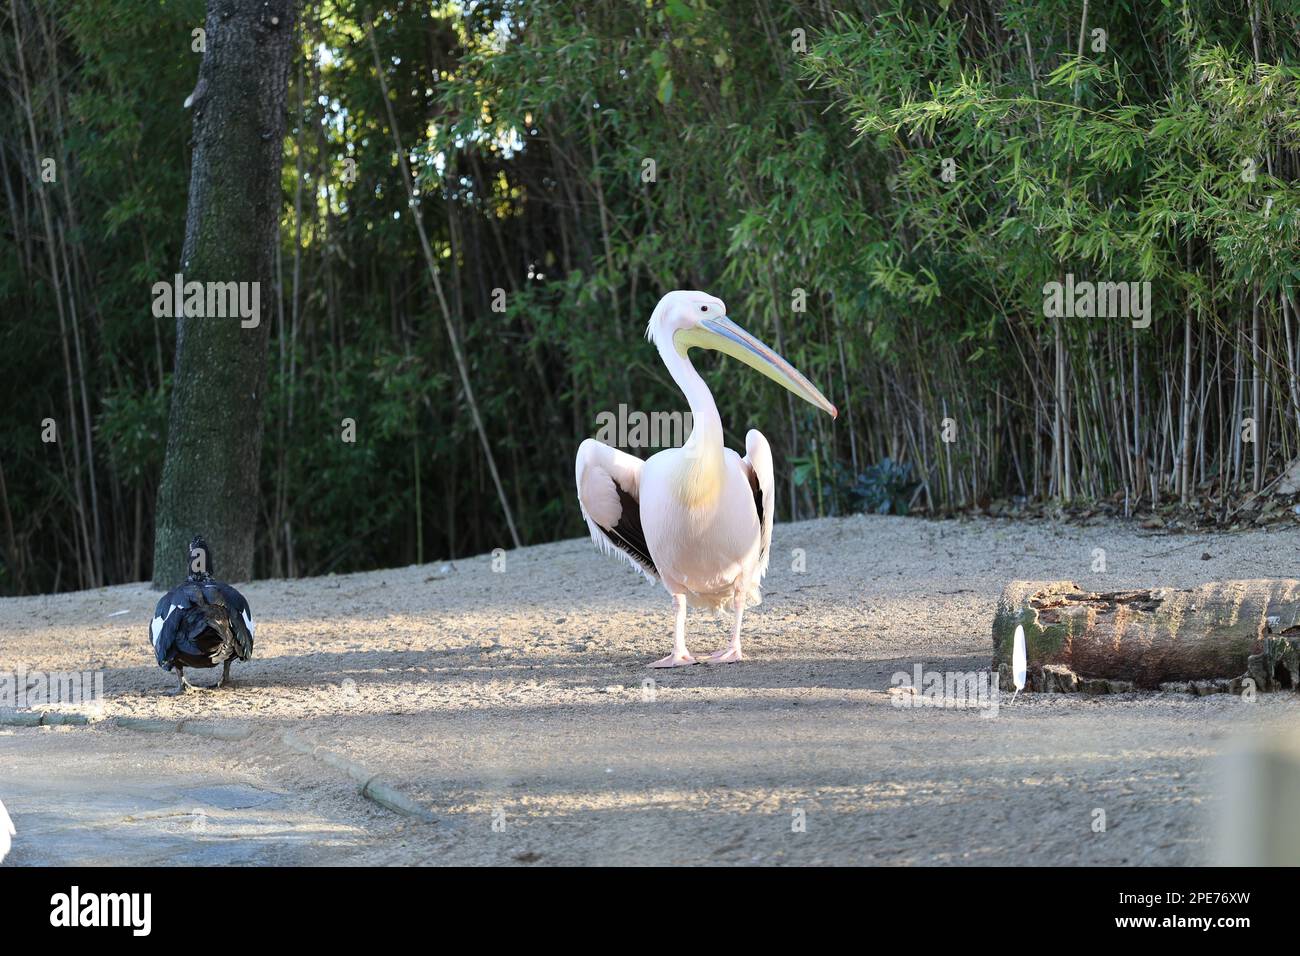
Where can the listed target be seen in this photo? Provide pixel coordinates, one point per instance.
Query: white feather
(1019, 666)
(7, 832)
(248, 623)
(156, 627)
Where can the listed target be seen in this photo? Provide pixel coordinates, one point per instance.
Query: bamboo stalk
(461, 367)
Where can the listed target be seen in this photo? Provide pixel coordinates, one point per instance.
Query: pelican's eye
(704, 308)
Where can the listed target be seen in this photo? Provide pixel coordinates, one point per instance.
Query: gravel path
(510, 702)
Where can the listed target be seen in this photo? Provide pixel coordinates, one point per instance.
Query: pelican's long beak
(723, 335)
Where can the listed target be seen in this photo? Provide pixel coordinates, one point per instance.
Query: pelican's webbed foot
(674, 660)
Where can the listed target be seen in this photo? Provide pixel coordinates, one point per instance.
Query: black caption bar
(141, 907)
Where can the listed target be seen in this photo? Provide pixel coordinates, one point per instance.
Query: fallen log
(1206, 639)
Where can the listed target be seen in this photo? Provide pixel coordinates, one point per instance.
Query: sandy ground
(511, 704)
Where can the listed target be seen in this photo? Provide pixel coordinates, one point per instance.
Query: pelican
(697, 518)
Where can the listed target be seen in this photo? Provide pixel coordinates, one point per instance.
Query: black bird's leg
(182, 683)
(225, 676)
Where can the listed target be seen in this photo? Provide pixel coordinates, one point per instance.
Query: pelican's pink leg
(680, 655)
(731, 653)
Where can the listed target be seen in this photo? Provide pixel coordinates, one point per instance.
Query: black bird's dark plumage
(201, 623)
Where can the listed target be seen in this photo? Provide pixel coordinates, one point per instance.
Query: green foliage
(885, 488)
(132, 425)
(778, 174)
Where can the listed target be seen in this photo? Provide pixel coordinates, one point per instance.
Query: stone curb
(386, 795)
(147, 725)
(372, 787)
(45, 718)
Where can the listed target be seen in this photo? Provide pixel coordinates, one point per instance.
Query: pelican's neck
(706, 424)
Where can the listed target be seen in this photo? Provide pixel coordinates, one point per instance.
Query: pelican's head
(698, 320)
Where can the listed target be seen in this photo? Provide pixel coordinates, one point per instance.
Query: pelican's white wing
(7, 832)
(609, 492)
(758, 463)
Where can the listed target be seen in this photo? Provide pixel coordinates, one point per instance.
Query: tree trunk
(214, 437)
(1219, 633)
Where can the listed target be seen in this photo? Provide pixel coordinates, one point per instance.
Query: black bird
(201, 623)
